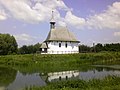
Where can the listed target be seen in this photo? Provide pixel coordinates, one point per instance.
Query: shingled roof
(61, 34)
(43, 45)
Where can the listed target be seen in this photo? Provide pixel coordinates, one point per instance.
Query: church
(59, 41)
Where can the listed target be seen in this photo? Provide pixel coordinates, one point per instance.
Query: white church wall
(53, 47)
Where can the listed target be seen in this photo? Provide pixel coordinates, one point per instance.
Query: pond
(22, 81)
(11, 79)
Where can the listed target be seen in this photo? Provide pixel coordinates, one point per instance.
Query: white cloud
(24, 37)
(14, 27)
(109, 19)
(19, 9)
(74, 20)
(55, 4)
(61, 22)
(33, 11)
(3, 15)
(117, 34)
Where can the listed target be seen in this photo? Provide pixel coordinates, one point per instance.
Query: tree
(23, 50)
(29, 49)
(84, 48)
(99, 47)
(8, 44)
(112, 47)
(37, 47)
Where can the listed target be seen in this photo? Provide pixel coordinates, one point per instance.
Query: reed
(50, 63)
(108, 83)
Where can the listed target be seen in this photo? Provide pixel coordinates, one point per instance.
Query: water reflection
(7, 76)
(11, 79)
(2, 88)
(98, 73)
(62, 75)
(95, 74)
(23, 81)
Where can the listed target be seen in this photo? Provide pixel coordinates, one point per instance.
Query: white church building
(59, 41)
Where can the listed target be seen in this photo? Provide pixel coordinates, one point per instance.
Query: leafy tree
(37, 47)
(8, 44)
(23, 50)
(84, 48)
(99, 47)
(29, 49)
(112, 47)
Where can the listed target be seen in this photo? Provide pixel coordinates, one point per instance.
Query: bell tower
(52, 21)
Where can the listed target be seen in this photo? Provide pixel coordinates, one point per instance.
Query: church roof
(61, 34)
(43, 45)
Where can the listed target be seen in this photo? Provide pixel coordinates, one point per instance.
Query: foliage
(8, 44)
(108, 83)
(29, 49)
(84, 48)
(99, 48)
(112, 47)
(107, 47)
(51, 63)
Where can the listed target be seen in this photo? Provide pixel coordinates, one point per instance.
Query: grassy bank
(50, 63)
(108, 83)
(34, 63)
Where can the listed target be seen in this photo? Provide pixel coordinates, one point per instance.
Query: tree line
(100, 47)
(8, 45)
(30, 49)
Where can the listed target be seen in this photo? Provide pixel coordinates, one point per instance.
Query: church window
(66, 45)
(59, 44)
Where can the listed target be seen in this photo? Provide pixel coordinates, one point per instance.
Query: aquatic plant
(108, 83)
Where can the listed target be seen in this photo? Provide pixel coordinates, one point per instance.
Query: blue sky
(92, 21)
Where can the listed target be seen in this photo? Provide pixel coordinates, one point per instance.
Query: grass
(108, 83)
(38, 63)
(51, 63)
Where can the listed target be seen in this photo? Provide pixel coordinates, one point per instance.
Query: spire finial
(52, 18)
(52, 14)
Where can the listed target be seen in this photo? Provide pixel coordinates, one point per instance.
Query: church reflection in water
(63, 75)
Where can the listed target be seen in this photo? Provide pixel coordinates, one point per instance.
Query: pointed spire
(52, 14)
(52, 21)
(52, 18)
